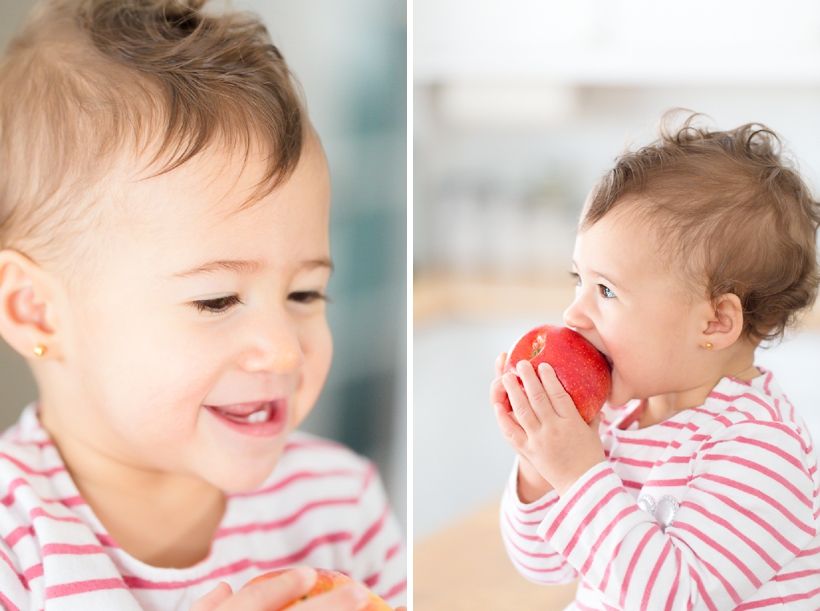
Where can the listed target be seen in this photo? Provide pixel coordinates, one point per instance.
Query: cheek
(149, 381)
(317, 348)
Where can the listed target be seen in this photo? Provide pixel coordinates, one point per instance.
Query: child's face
(201, 314)
(634, 310)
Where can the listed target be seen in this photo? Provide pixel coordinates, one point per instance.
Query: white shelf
(618, 42)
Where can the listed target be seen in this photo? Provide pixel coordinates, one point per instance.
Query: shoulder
(28, 456)
(35, 507)
(759, 405)
(754, 426)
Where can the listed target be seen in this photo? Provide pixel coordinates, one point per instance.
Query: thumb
(214, 598)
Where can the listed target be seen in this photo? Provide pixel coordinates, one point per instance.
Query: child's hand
(276, 593)
(531, 485)
(498, 394)
(544, 427)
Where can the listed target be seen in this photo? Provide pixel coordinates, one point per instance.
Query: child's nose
(275, 348)
(575, 315)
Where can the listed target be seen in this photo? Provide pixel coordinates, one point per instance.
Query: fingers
(499, 364)
(273, 594)
(520, 403)
(214, 598)
(511, 430)
(351, 597)
(536, 393)
(561, 401)
(498, 394)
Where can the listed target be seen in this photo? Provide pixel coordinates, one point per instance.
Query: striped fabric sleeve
(747, 511)
(378, 552)
(15, 593)
(530, 554)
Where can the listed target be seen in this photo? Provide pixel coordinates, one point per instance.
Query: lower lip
(272, 427)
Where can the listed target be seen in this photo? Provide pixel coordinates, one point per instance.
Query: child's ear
(724, 322)
(26, 310)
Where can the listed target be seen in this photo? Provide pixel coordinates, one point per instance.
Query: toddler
(164, 255)
(697, 487)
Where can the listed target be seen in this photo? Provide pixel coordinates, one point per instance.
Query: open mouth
(257, 418)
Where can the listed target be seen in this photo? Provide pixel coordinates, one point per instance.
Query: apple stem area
(538, 345)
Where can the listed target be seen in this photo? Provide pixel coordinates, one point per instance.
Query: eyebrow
(243, 266)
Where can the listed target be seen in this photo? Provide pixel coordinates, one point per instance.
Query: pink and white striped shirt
(717, 508)
(323, 506)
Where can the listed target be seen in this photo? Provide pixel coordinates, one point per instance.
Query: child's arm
(529, 553)
(527, 499)
(748, 510)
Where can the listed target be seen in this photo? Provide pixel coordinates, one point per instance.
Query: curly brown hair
(731, 211)
(87, 82)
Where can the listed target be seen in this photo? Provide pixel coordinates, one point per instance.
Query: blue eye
(606, 292)
(218, 305)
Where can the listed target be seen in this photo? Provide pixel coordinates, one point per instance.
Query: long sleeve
(530, 554)
(749, 507)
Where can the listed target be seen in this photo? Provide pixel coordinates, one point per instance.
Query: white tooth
(260, 416)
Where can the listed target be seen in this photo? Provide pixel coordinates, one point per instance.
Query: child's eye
(577, 278)
(606, 292)
(217, 305)
(308, 296)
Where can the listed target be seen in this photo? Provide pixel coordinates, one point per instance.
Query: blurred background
(519, 106)
(351, 59)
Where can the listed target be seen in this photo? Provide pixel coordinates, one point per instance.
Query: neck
(662, 407)
(163, 519)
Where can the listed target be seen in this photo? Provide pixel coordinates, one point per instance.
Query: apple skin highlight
(326, 580)
(582, 370)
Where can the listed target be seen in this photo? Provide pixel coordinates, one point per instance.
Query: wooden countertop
(438, 295)
(465, 568)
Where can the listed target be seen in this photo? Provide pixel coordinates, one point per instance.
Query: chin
(238, 477)
(619, 396)
(244, 483)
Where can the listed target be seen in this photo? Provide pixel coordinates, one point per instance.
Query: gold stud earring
(708, 345)
(39, 350)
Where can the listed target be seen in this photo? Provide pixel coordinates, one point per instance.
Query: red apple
(325, 581)
(581, 369)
